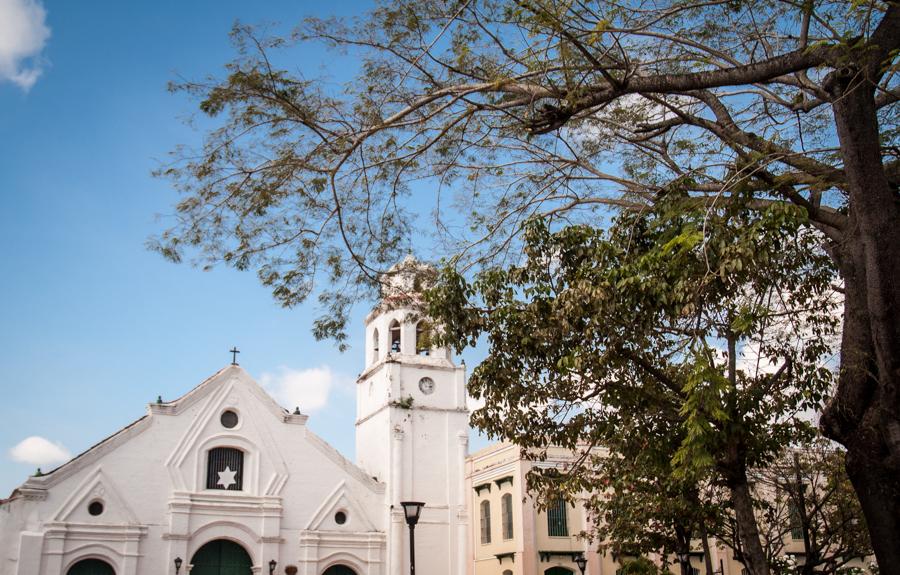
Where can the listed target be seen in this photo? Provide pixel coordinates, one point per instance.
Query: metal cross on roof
(234, 351)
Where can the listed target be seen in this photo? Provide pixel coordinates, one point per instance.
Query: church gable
(229, 443)
(96, 500)
(341, 511)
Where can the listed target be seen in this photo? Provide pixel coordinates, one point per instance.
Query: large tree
(563, 110)
(632, 339)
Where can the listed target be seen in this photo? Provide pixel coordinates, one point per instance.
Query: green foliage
(627, 339)
(403, 402)
(639, 566)
(309, 185)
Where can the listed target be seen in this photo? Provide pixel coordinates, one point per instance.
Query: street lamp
(683, 558)
(412, 510)
(178, 563)
(272, 565)
(581, 561)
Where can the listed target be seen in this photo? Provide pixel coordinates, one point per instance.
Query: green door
(91, 567)
(221, 557)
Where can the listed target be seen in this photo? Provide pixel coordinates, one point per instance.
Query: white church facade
(224, 481)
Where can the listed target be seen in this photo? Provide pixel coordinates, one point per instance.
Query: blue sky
(92, 325)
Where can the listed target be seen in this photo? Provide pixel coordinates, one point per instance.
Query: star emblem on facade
(226, 478)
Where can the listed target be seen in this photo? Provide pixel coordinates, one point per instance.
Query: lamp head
(412, 510)
(272, 565)
(581, 561)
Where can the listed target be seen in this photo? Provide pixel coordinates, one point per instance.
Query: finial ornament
(234, 351)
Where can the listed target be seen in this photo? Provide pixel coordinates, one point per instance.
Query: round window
(426, 384)
(340, 517)
(95, 508)
(229, 419)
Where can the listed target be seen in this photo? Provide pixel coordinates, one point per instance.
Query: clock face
(426, 384)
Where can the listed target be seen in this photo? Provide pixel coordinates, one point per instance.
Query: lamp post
(272, 565)
(683, 558)
(412, 510)
(581, 561)
(177, 565)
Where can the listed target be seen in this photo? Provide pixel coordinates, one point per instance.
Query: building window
(95, 508)
(796, 521)
(423, 338)
(225, 469)
(395, 336)
(485, 522)
(506, 516)
(228, 419)
(557, 525)
(375, 354)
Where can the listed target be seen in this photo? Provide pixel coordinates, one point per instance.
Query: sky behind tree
(93, 325)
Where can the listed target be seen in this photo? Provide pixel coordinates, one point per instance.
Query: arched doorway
(558, 571)
(339, 570)
(221, 557)
(91, 567)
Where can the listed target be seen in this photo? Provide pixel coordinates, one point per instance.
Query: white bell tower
(412, 426)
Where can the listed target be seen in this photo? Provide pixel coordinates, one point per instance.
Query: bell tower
(412, 425)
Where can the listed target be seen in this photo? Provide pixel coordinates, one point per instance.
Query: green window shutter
(557, 523)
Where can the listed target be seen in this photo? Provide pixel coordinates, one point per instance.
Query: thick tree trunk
(707, 558)
(864, 415)
(876, 488)
(748, 532)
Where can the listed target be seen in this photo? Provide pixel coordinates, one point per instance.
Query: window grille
(796, 521)
(507, 516)
(221, 463)
(485, 522)
(557, 524)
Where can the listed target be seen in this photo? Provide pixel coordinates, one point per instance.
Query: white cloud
(23, 34)
(308, 389)
(37, 450)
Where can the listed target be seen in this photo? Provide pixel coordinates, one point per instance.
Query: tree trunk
(864, 415)
(748, 532)
(707, 558)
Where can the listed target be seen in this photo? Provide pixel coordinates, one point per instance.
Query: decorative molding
(482, 487)
(546, 555)
(96, 485)
(504, 479)
(348, 466)
(32, 493)
(229, 503)
(501, 556)
(227, 389)
(341, 498)
(87, 457)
